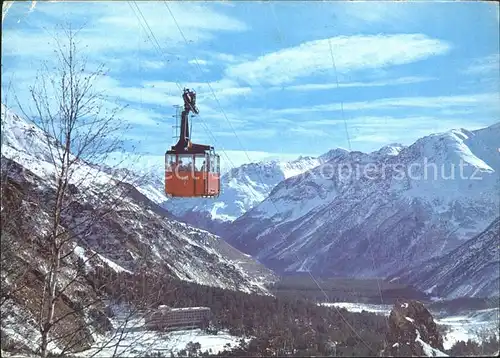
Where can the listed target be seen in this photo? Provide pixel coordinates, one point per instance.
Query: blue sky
(404, 69)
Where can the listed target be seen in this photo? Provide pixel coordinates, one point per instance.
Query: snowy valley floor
(461, 327)
(130, 339)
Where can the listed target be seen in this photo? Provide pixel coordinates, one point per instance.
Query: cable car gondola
(191, 170)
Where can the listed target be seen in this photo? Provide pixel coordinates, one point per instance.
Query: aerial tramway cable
(160, 51)
(246, 153)
(161, 54)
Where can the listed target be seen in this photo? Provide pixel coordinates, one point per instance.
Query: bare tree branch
(79, 132)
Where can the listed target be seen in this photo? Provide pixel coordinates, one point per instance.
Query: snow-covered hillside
(134, 231)
(372, 214)
(110, 225)
(241, 189)
(472, 269)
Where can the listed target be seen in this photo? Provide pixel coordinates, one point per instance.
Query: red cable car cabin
(192, 174)
(191, 170)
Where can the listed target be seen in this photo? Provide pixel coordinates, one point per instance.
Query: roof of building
(165, 307)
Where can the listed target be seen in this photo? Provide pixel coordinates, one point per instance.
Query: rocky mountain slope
(412, 332)
(469, 270)
(141, 222)
(361, 214)
(110, 224)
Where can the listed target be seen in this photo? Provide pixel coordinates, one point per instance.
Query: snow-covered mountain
(241, 189)
(135, 231)
(362, 214)
(108, 225)
(472, 269)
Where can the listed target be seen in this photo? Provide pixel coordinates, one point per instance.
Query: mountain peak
(242, 188)
(389, 149)
(335, 153)
(21, 137)
(403, 216)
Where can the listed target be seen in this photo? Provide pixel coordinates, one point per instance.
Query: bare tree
(78, 129)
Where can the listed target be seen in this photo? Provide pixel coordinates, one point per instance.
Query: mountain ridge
(332, 221)
(146, 216)
(469, 270)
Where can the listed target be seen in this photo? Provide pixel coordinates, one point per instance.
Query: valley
(183, 179)
(166, 261)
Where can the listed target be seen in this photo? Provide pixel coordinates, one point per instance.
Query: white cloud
(188, 15)
(248, 133)
(227, 57)
(372, 138)
(484, 65)
(141, 116)
(372, 132)
(399, 123)
(427, 102)
(396, 124)
(329, 86)
(222, 89)
(136, 94)
(155, 65)
(488, 100)
(114, 26)
(350, 53)
(113, 89)
(199, 62)
(406, 130)
(165, 94)
(309, 132)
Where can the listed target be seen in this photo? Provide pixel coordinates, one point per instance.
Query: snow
(390, 149)
(222, 273)
(325, 219)
(153, 193)
(137, 343)
(298, 166)
(23, 135)
(430, 289)
(113, 265)
(428, 350)
(130, 338)
(183, 308)
(242, 188)
(166, 239)
(359, 307)
(18, 325)
(469, 325)
(459, 327)
(452, 153)
(28, 145)
(287, 206)
(80, 252)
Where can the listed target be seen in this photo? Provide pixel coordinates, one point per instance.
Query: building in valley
(166, 318)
